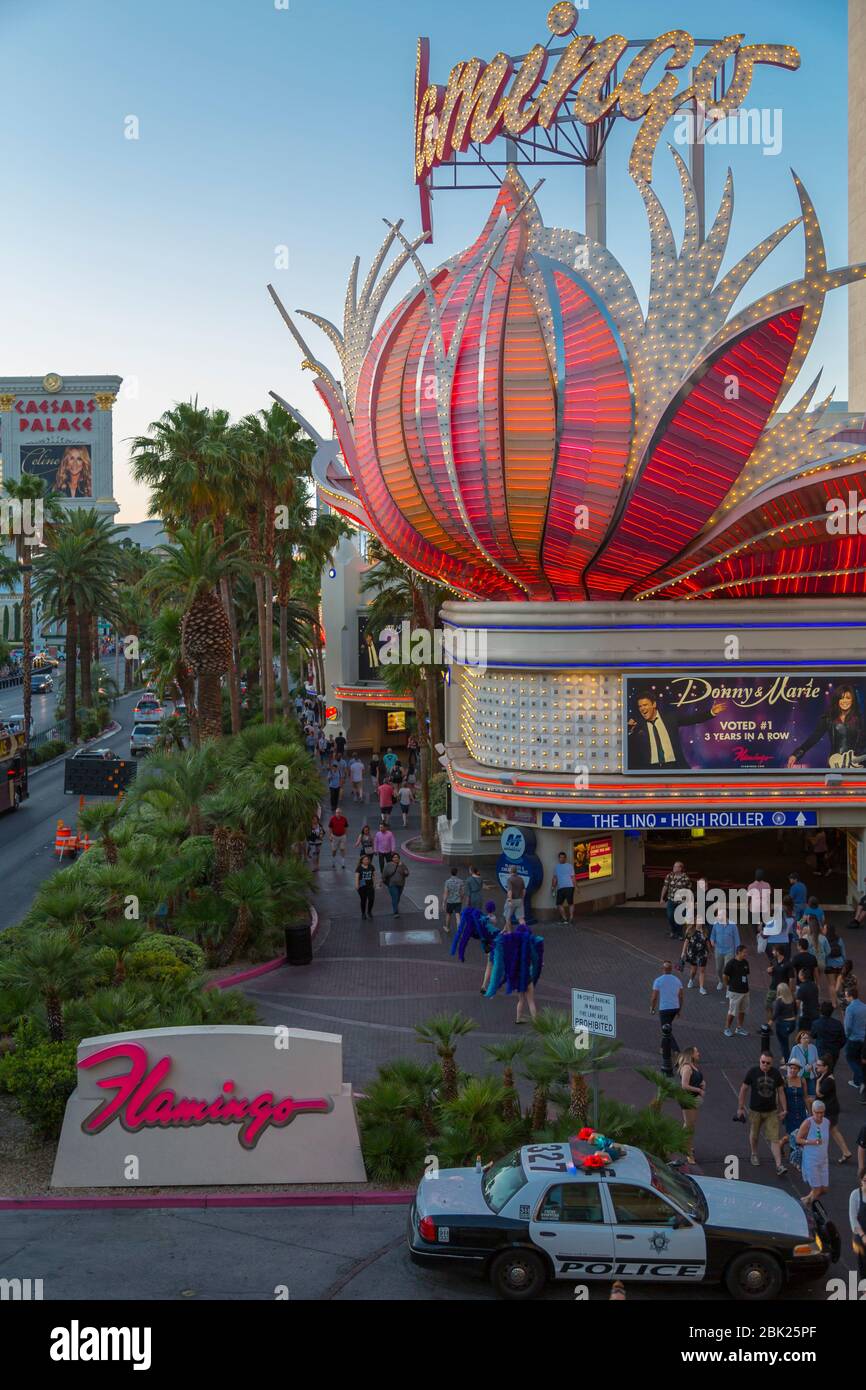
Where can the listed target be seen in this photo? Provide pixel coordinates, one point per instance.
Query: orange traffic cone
(84, 842)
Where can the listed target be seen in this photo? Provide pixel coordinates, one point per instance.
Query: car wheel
(518, 1274)
(754, 1276)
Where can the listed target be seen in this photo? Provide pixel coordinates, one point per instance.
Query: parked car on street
(567, 1211)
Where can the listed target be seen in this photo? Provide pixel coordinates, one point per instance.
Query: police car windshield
(502, 1181)
(680, 1190)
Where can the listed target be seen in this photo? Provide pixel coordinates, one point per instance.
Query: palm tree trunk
(71, 657)
(234, 675)
(27, 636)
(284, 661)
(84, 635)
(54, 1012)
(269, 644)
(238, 936)
(434, 685)
(539, 1108)
(428, 834)
(220, 837)
(449, 1077)
(260, 615)
(210, 705)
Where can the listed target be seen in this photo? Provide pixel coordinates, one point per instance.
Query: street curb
(205, 1200)
(270, 965)
(419, 858)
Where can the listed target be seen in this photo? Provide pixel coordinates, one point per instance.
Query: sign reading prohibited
(594, 1013)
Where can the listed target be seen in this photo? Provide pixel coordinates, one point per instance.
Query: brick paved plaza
(374, 993)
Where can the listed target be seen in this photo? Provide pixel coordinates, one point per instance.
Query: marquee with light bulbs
(520, 428)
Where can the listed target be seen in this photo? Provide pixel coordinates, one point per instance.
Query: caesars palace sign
(482, 102)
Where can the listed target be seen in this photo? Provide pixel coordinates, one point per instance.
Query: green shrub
(52, 749)
(41, 1078)
(187, 952)
(438, 794)
(13, 938)
(157, 967)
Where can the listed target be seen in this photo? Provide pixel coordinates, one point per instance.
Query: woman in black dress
(692, 1080)
(843, 726)
(825, 1090)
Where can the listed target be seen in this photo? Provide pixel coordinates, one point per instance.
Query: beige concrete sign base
(221, 1106)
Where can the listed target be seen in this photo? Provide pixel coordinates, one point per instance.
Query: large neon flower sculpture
(519, 428)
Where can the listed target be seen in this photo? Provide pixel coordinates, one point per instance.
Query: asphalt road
(27, 835)
(314, 1253)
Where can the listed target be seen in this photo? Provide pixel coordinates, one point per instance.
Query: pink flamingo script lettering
(139, 1102)
(742, 755)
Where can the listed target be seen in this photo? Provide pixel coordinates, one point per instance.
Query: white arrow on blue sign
(742, 819)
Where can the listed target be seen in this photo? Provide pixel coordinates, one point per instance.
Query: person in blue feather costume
(480, 926)
(517, 959)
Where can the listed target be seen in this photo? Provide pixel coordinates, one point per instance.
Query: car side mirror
(680, 1222)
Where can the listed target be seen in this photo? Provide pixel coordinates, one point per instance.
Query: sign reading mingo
(209, 1106)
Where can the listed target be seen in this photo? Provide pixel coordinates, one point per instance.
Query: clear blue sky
(262, 126)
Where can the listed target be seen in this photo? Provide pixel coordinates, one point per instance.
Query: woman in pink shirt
(384, 844)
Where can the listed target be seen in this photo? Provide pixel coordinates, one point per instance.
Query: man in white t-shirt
(667, 998)
(356, 774)
(562, 886)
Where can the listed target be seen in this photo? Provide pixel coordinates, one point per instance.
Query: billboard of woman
(66, 468)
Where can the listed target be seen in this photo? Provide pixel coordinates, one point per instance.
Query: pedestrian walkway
(372, 982)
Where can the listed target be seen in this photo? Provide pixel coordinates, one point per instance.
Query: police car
(593, 1210)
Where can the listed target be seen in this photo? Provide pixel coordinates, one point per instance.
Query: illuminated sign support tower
(556, 106)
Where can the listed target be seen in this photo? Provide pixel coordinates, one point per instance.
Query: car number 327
(583, 1211)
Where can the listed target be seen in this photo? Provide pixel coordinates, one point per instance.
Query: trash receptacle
(299, 944)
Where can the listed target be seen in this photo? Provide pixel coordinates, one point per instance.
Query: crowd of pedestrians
(383, 781)
(795, 960)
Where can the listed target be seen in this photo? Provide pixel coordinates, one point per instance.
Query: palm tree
(126, 1008)
(67, 903)
(246, 890)
(100, 818)
(397, 593)
(507, 1054)
(178, 784)
(73, 577)
(275, 461)
(411, 680)
(667, 1089)
(189, 461)
(441, 1033)
(170, 670)
(192, 569)
(185, 459)
(304, 546)
(473, 1123)
(276, 794)
(119, 937)
(420, 1081)
(542, 1071)
(51, 969)
(26, 491)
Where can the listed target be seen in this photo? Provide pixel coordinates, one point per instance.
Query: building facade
(58, 429)
(654, 537)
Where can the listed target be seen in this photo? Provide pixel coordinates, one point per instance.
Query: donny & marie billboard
(745, 722)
